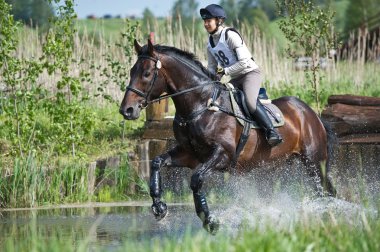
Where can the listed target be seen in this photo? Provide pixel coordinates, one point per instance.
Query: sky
(99, 8)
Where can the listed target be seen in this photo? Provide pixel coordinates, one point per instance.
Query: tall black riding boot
(262, 118)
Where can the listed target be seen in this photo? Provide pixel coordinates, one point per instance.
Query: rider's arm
(244, 57)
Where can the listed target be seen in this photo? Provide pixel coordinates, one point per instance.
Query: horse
(207, 139)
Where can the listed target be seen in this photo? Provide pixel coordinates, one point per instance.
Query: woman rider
(234, 59)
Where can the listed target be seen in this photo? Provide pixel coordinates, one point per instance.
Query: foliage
(232, 11)
(20, 95)
(256, 17)
(117, 71)
(36, 119)
(69, 118)
(148, 19)
(361, 12)
(185, 11)
(32, 12)
(309, 28)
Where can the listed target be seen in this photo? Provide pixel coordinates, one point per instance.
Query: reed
(37, 181)
(350, 71)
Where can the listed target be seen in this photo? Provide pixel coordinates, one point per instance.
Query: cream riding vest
(222, 53)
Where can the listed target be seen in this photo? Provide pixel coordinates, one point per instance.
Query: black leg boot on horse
(261, 117)
(210, 222)
(159, 208)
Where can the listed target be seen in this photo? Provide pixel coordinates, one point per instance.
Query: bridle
(157, 67)
(146, 95)
(184, 121)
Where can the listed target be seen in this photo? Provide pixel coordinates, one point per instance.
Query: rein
(183, 121)
(158, 66)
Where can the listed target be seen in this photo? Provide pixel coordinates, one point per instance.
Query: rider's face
(210, 24)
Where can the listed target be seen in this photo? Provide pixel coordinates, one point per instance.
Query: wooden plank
(354, 100)
(360, 139)
(350, 119)
(156, 111)
(162, 129)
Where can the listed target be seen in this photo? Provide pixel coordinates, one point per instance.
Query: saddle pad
(272, 110)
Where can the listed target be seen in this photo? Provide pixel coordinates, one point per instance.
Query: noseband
(157, 67)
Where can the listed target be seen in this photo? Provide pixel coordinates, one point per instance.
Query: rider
(232, 54)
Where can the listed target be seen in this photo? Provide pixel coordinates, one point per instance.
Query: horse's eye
(146, 74)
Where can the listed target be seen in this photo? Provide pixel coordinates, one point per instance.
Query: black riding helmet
(213, 11)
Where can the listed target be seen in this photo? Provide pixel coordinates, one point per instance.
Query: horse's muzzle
(130, 113)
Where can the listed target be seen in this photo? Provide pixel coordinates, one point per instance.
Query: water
(109, 226)
(278, 205)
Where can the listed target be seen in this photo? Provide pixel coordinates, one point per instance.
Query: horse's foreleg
(178, 157)
(159, 208)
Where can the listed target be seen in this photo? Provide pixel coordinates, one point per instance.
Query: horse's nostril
(129, 111)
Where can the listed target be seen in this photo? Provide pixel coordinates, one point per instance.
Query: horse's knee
(158, 162)
(196, 182)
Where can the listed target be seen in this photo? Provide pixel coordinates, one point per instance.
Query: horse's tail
(332, 142)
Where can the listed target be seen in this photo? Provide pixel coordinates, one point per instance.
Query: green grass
(101, 28)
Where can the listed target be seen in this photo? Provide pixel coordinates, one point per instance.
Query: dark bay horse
(207, 140)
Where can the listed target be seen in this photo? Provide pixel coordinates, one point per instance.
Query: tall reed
(350, 70)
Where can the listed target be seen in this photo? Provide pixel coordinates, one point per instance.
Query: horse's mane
(170, 50)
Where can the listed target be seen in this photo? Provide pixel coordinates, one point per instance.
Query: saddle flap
(240, 108)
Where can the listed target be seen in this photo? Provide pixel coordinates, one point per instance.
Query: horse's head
(146, 82)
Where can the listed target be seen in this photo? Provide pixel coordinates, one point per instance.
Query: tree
(360, 12)
(309, 29)
(258, 18)
(251, 14)
(148, 19)
(230, 6)
(269, 7)
(32, 12)
(185, 11)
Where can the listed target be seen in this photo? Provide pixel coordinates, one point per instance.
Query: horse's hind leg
(319, 171)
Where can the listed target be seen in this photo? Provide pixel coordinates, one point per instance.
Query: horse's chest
(195, 138)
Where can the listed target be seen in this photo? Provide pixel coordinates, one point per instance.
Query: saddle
(243, 116)
(239, 107)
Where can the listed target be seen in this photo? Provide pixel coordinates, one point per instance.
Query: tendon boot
(262, 118)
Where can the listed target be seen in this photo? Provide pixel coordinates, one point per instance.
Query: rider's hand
(219, 73)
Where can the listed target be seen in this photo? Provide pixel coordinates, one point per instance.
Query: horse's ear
(150, 48)
(138, 48)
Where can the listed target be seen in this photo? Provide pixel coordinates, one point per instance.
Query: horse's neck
(186, 76)
(192, 101)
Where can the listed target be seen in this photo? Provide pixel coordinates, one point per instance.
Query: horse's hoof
(160, 210)
(211, 224)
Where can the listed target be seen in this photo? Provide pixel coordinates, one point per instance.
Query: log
(350, 119)
(156, 111)
(162, 129)
(354, 100)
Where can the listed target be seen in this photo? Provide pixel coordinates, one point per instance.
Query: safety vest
(221, 52)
